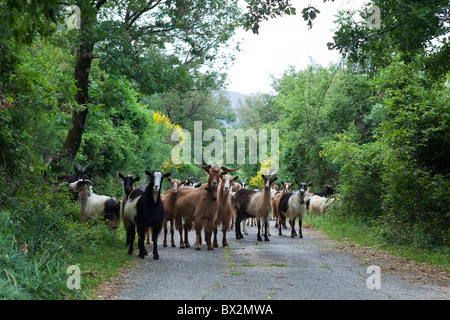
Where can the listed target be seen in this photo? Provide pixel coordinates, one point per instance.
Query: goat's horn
(87, 180)
(207, 168)
(195, 178)
(225, 169)
(84, 168)
(274, 173)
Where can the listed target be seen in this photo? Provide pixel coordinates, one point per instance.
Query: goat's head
(128, 182)
(226, 182)
(175, 184)
(269, 179)
(78, 185)
(79, 172)
(302, 187)
(287, 186)
(214, 176)
(156, 179)
(244, 182)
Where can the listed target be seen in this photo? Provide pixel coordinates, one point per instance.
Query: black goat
(144, 209)
(328, 191)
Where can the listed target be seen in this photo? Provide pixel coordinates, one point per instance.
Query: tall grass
(40, 238)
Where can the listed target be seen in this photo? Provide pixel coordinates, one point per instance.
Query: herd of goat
(188, 204)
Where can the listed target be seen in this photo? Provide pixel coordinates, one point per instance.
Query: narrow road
(284, 268)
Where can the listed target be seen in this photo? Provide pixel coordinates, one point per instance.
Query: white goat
(93, 205)
(292, 205)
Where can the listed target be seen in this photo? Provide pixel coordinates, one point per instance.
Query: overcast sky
(285, 41)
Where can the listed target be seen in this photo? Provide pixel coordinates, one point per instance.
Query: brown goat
(224, 213)
(168, 200)
(198, 206)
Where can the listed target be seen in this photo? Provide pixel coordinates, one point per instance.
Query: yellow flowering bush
(163, 120)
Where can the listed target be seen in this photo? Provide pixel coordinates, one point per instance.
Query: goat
(276, 202)
(79, 172)
(93, 205)
(253, 203)
(292, 205)
(224, 212)
(198, 206)
(168, 200)
(328, 191)
(144, 209)
(190, 183)
(128, 186)
(318, 205)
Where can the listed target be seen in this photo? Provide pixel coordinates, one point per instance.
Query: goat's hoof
(155, 257)
(188, 245)
(142, 256)
(173, 245)
(164, 244)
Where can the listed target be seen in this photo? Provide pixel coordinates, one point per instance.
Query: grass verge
(357, 231)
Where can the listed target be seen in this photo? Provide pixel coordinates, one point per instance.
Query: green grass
(356, 231)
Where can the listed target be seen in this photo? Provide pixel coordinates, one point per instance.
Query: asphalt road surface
(283, 269)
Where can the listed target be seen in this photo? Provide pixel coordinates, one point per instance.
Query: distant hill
(236, 98)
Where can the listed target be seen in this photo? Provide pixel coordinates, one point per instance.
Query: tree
(131, 38)
(412, 29)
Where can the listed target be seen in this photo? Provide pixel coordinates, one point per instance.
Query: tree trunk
(74, 135)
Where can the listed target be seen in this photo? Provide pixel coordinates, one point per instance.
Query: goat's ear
(276, 178)
(137, 179)
(121, 176)
(183, 182)
(168, 179)
(263, 176)
(167, 175)
(148, 173)
(235, 178)
(223, 173)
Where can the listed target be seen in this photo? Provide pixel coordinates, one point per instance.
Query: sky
(285, 41)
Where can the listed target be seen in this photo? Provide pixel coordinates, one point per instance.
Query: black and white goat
(144, 209)
(292, 205)
(253, 203)
(93, 205)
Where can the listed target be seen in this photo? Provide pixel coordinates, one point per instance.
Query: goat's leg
(281, 218)
(292, 223)
(156, 230)
(238, 228)
(215, 244)
(186, 236)
(266, 227)
(198, 230)
(172, 231)
(225, 228)
(141, 240)
(244, 228)
(165, 232)
(300, 228)
(258, 236)
(131, 233)
(179, 225)
(208, 234)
